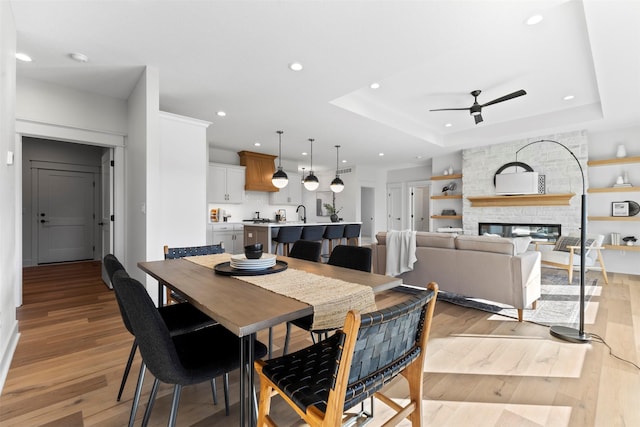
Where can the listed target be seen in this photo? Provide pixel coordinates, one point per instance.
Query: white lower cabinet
(230, 235)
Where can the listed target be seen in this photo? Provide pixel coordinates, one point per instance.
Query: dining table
(245, 309)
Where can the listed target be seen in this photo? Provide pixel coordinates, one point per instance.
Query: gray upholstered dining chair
(185, 359)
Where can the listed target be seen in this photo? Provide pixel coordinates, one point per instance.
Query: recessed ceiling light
(418, 157)
(344, 160)
(295, 66)
(448, 125)
(304, 153)
(568, 97)
(380, 154)
(534, 19)
(221, 113)
(257, 144)
(23, 57)
(374, 85)
(79, 57)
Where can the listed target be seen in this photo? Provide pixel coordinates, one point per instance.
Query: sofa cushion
(426, 239)
(499, 245)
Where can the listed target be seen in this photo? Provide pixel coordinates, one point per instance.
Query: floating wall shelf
(618, 161)
(521, 200)
(445, 177)
(623, 248)
(614, 218)
(613, 189)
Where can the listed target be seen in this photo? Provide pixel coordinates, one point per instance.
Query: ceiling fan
(476, 109)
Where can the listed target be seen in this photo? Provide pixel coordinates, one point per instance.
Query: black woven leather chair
(174, 253)
(286, 236)
(307, 250)
(353, 257)
(179, 318)
(185, 359)
(324, 380)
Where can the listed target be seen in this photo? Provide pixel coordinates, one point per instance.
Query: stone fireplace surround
(559, 167)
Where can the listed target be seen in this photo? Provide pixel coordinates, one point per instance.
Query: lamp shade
(337, 185)
(311, 182)
(280, 178)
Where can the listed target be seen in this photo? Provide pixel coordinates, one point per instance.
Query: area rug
(559, 303)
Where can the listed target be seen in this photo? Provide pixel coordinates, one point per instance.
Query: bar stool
(286, 236)
(331, 233)
(352, 231)
(313, 232)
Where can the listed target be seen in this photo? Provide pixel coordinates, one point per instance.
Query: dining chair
(326, 379)
(306, 249)
(179, 318)
(173, 297)
(566, 254)
(353, 257)
(184, 359)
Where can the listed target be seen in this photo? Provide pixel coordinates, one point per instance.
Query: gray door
(65, 216)
(394, 207)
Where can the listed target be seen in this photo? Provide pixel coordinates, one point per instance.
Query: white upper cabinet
(225, 183)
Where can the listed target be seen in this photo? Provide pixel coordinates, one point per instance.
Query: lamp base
(570, 334)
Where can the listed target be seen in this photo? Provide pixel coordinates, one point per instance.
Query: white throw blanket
(401, 251)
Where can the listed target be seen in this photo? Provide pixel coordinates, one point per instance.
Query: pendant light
(311, 182)
(279, 178)
(302, 180)
(337, 185)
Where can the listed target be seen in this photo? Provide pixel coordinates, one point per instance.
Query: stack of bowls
(253, 251)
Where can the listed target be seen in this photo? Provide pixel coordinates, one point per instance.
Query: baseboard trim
(7, 357)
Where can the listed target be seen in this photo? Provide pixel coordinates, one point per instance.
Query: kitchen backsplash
(254, 201)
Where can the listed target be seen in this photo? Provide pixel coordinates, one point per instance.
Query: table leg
(248, 415)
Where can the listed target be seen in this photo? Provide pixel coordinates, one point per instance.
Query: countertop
(295, 223)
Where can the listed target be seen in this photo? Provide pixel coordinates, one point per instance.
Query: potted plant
(333, 212)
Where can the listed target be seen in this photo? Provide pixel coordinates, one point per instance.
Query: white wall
(10, 268)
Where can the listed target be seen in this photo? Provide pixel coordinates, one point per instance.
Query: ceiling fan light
(337, 185)
(311, 182)
(280, 178)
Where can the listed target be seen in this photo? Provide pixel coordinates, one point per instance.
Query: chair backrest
(173, 253)
(312, 232)
(288, 234)
(306, 249)
(113, 265)
(333, 231)
(593, 241)
(354, 257)
(352, 230)
(152, 335)
(378, 346)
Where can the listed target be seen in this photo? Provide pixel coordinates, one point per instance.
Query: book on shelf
(615, 239)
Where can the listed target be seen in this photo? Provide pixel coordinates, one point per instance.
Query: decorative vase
(621, 152)
(334, 217)
(450, 170)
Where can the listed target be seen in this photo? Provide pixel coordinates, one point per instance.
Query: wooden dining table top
(242, 307)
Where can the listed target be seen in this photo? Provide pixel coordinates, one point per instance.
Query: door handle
(101, 223)
(42, 221)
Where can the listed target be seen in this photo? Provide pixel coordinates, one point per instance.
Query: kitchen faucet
(304, 215)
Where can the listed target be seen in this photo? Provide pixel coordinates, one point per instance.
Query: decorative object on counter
(621, 151)
(280, 178)
(311, 182)
(634, 208)
(630, 240)
(337, 185)
(253, 251)
(620, 209)
(213, 215)
(333, 212)
(281, 215)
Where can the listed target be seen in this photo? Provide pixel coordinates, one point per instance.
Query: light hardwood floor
(481, 370)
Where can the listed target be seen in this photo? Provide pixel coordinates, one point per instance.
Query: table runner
(331, 298)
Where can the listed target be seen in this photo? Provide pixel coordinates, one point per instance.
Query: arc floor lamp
(563, 332)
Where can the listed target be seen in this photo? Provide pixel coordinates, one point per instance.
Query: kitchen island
(263, 232)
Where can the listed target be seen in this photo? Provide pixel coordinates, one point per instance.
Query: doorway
(367, 214)
(419, 206)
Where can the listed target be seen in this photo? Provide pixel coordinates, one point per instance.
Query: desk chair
(324, 380)
(566, 254)
(353, 257)
(179, 318)
(185, 359)
(173, 297)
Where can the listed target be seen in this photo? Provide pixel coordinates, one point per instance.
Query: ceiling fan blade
(506, 97)
(451, 109)
(478, 118)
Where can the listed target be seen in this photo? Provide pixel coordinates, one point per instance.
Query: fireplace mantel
(521, 200)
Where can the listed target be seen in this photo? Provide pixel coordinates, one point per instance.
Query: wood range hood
(259, 170)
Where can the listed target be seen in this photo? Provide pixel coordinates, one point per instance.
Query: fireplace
(537, 232)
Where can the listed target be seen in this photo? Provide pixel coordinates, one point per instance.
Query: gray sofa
(489, 268)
